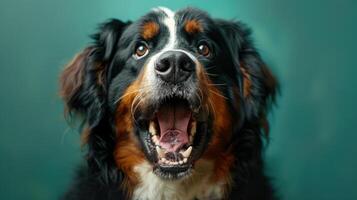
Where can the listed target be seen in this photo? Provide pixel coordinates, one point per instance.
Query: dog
(174, 106)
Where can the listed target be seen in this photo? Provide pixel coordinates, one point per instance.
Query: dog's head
(169, 88)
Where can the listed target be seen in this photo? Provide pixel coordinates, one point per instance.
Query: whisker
(129, 93)
(199, 99)
(210, 67)
(200, 95)
(134, 105)
(218, 84)
(212, 106)
(218, 94)
(135, 108)
(210, 74)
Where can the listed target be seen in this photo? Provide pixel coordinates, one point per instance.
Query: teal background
(310, 45)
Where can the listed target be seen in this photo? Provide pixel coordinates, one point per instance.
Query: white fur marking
(170, 22)
(198, 186)
(171, 25)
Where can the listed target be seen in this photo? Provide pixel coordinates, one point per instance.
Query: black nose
(174, 66)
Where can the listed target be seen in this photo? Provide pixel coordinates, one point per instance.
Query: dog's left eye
(141, 50)
(204, 50)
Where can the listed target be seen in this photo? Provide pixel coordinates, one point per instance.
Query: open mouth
(172, 131)
(177, 137)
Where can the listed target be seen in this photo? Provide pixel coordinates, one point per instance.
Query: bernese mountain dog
(174, 106)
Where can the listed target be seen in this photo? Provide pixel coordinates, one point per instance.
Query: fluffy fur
(114, 86)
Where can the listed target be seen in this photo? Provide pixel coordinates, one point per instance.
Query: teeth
(168, 162)
(163, 160)
(155, 139)
(187, 153)
(160, 152)
(152, 129)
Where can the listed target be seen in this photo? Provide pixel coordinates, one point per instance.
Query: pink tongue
(173, 121)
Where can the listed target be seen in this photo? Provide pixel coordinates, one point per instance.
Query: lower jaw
(173, 172)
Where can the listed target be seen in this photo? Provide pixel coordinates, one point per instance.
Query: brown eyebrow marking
(193, 26)
(150, 30)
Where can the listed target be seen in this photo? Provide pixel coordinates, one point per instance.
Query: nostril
(189, 67)
(163, 65)
(186, 64)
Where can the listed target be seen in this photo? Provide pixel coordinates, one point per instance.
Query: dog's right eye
(141, 50)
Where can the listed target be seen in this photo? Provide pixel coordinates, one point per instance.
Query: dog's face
(171, 93)
(170, 89)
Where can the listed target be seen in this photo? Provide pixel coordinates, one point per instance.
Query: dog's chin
(174, 137)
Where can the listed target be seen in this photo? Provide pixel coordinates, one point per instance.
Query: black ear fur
(84, 90)
(256, 81)
(83, 82)
(258, 88)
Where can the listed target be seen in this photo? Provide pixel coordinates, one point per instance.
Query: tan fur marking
(150, 30)
(193, 26)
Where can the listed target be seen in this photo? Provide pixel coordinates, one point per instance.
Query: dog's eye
(141, 50)
(204, 50)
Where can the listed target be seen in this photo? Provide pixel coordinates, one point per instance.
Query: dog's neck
(198, 186)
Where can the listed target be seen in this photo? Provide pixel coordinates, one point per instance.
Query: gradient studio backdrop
(310, 45)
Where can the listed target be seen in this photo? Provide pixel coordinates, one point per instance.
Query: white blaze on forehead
(170, 23)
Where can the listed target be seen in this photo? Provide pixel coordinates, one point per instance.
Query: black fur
(95, 96)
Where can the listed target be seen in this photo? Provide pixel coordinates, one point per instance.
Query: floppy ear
(83, 82)
(257, 83)
(83, 87)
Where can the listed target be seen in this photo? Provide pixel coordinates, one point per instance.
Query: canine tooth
(152, 128)
(160, 152)
(180, 162)
(155, 139)
(187, 153)
(185, 160)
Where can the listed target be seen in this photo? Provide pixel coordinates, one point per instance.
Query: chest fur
(197, 186)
